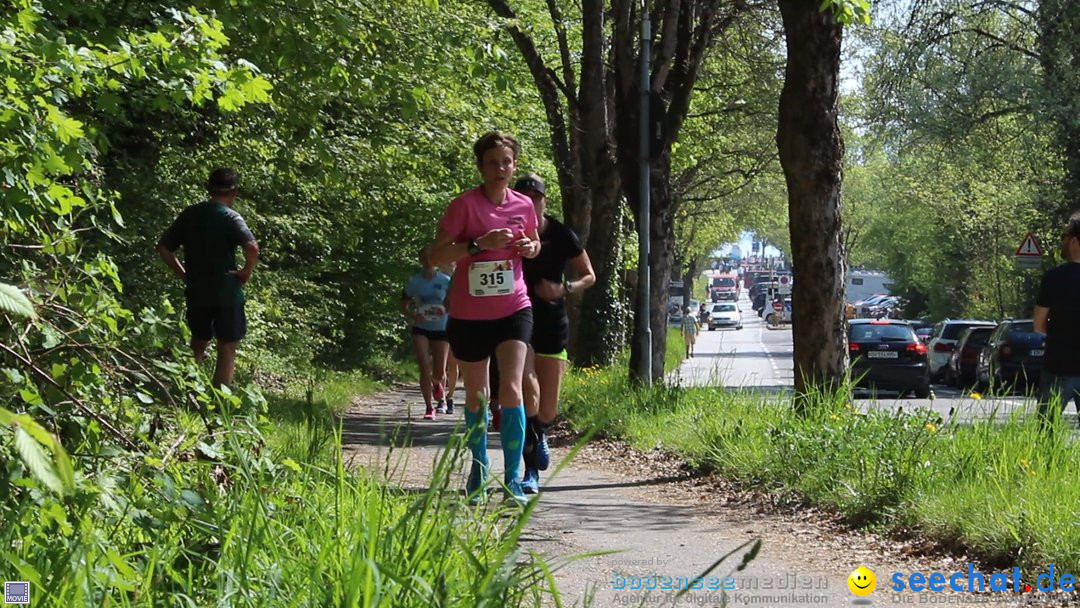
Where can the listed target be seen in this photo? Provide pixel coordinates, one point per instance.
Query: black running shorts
(551, 332)
(430, 334)
(226, 322)
(473, 341)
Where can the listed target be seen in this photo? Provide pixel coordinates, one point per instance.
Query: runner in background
(488, 231)
(424, 301)
(451, 361)
(547, 359)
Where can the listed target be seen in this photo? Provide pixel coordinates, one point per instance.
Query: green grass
(263, 512)
(675, 349)
(1001, 490)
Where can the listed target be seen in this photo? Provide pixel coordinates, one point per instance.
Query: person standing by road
(689, 330)
(424, 301)
(210, 232)
(547, 359)
(488, 231)
(1057, 315)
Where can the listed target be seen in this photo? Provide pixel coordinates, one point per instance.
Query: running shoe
(441, 407)
(530, 483)
(516, 493)
(541, 454)
(430, 413)
(449, 405)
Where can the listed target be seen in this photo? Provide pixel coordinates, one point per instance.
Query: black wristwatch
(474, 248)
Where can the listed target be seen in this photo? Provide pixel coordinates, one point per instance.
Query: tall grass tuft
(267, 515)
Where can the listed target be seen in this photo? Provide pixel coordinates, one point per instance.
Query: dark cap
(530, 183)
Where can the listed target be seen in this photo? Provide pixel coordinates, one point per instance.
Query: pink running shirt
(471, 216)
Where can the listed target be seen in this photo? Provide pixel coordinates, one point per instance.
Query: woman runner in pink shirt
(487, 231)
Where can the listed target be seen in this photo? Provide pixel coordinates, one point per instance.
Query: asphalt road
(758, 358)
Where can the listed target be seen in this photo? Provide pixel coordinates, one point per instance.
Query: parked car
(960, 370)
(1013, 355)
(891, 307)
(763, 282)
(725, 314)
(863, 308)
(943, 341)
(886, 355)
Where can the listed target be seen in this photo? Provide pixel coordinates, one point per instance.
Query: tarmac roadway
(758, 358)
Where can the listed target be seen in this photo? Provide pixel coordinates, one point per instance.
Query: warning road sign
(1029, 248)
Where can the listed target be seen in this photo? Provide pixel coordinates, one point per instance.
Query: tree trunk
(1059, 52)
(811, 154)
(583, 150)
(601, 331)
(691, 269)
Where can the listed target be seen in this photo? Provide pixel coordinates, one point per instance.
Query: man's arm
(251, 256)
(1042, 315)
(174, 264)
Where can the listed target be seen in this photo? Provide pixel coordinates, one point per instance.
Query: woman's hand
(495, 239)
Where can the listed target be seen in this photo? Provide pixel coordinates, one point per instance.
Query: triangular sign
(1030, 247)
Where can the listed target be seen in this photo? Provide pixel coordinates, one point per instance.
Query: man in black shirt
(548, 287)
(1057, 314)
(210, 232)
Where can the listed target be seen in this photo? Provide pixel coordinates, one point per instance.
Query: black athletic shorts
(551, 332)
(226, 322)
(473, 341)
(430, 334)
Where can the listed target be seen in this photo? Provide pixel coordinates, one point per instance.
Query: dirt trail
(665, 522)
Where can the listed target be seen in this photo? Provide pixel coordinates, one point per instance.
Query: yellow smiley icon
(861, 581)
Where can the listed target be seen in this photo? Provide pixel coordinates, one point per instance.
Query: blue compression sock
(512, 434)
(476, 437)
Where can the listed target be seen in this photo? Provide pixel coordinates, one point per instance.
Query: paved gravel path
(663, 521)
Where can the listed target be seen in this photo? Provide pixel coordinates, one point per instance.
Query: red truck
(724, 287)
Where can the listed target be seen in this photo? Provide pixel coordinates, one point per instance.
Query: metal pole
(646, 371)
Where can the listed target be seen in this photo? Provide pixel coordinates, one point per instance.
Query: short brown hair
(495, 139)
(223, 180)
(1073, 227)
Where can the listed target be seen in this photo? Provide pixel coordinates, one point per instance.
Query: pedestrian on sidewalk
(1057, 315)
(210, 232)
(488, 231)
(689, 330)
(424, 302)
(547, 358)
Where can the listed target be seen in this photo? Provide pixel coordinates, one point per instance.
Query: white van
(862, 284)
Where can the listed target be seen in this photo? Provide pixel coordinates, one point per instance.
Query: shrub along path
(660, 517)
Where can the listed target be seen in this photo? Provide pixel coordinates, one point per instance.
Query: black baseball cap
(530, 183)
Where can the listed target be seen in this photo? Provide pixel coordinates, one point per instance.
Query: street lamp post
(644, 278)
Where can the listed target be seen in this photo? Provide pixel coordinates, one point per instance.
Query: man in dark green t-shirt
(210, 232)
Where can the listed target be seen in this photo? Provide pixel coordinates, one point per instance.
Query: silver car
(725, 314)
